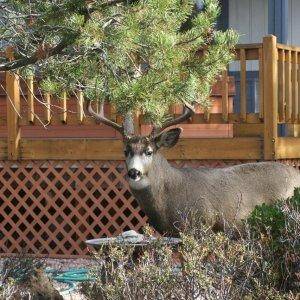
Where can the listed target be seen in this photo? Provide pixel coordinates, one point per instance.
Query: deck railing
(255, 133)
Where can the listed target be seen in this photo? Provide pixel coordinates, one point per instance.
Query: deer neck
(162, 174)
(154, 198)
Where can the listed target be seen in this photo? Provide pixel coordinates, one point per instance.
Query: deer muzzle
(134, 174)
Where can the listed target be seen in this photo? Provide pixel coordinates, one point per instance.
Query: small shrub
(20, 269)
(276, 230)
(267, 219)
(294, 202)
(23, 278)
(263, 264)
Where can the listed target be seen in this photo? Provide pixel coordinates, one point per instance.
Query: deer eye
(148, 152)
(126, 152)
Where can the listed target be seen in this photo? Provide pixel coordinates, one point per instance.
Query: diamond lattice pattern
(51, 208)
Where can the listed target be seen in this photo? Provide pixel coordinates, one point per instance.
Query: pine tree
(142, 54)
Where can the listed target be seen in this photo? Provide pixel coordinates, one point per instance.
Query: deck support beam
(270, 96)
(13, 111)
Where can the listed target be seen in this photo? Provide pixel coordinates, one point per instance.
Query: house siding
(294, 23)
(250, 19)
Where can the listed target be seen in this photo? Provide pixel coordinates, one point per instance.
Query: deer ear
(168, 138)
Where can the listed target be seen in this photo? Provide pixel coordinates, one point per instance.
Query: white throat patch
(139, 184)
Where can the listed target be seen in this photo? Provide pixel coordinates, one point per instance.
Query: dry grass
(264, 263)
(23, 277)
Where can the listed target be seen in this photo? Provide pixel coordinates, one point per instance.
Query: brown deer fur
(166, 193)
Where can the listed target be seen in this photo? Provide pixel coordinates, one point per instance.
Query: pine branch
(43, 53)
(56, 50)
(130, 61)
(38, 55)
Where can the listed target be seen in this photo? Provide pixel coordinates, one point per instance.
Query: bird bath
(131, 238)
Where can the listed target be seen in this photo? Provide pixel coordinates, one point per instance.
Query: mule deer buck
(165, 192)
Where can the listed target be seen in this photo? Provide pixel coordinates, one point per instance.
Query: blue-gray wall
(278, 19)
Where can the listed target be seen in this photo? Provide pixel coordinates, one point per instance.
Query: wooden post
(243, 105)
(13, 112)
(281, 86)
(47, 108)
(288, 86)
(295, 107)
(270, 56)
(80, 106)
(261, 83)
(225, 101)
(30, 99)
(64, 108)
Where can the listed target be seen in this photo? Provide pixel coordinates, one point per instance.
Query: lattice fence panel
(51, 208)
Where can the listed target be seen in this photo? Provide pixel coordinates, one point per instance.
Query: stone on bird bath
(130, 237)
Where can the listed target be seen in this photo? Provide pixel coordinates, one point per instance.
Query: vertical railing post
(30, 99)
(64, 107)
(13, 111)
(270, 63)
(80, 111)
(225, 98)
(47, 108)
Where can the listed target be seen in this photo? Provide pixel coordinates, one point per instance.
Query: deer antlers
(188, 111)
(101, 117)
(128, 129)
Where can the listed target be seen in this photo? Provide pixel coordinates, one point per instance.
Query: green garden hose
(71, 277)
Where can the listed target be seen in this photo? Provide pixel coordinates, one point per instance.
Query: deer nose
(134, 173)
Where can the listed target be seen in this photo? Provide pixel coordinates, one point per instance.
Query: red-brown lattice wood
(51, 208)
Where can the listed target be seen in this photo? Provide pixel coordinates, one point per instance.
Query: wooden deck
(218, 133)
(65, 184)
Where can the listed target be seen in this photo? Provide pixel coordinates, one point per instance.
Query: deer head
(140, 151)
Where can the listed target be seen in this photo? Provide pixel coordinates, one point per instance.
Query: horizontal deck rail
(108, 149)
(112, 149)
